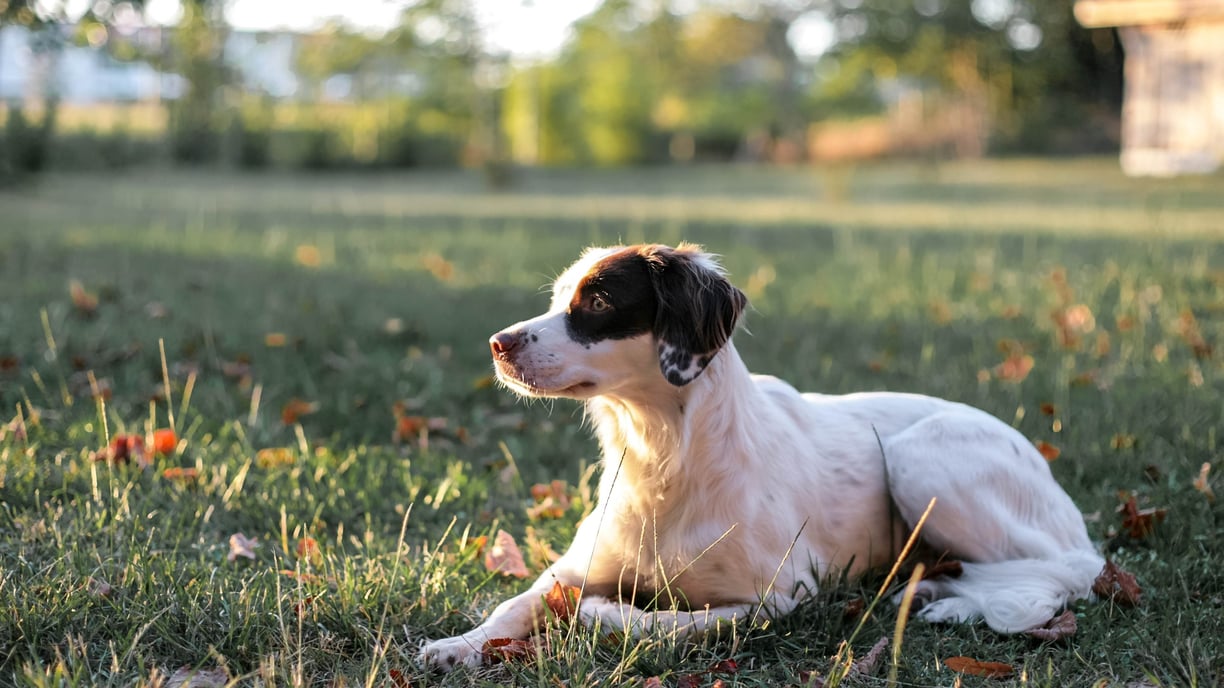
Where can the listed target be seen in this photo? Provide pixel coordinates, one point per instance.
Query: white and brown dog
(725, 494)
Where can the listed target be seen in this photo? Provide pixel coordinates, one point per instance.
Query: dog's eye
(599, 304)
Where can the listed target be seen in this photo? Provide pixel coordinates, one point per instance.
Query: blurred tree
(1026, 63)
(198, 57)
(24, 143)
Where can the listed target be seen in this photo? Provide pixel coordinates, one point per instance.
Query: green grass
(892, 277)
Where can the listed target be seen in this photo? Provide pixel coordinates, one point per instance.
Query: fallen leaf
(688, 681)
(301, 577)
(1049, 451)
(1188, 327)
(273, 457)
(508, 650)
(853, 608)
(1117, 585)
(308, 255)
(1062, 626)
(723, 666)
(164, 441)
(85, 302)
(504, 556)
(181, 474)
(1139, 523)
(308, 549)
(9, 364)
(295, 408)
(951, 568)
(99, 588)
(1014, 368)
(186, 677)
(241, 546)
(1202, 484)
(275, 340)
(1048, 409)
(123, 449)
(562, 600)
(552, 500)
(653, 682)
(870, 661)
(398, 680)
(973, 667)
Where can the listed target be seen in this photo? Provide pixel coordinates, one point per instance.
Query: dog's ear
(697, 309)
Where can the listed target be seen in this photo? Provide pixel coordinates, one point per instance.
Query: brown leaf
(505, 557)
(1117, 585)
(186, 677)
(563, 600)
(85, 302)
(241, 546)
(952, 568)
(723, 666)
(1049, 451)
(398, 680)
(308, 550)
(99, 588)
(508, 650)
(688, 681)
(870, 661)
(552, 500)
(853, 608)
(295, 408)
(973, 667)
(1062, 626)
(653, 682)
(1139, 523)
(1202, 484)
(1049, 409)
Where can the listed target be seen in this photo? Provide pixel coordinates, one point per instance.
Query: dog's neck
(646, 436)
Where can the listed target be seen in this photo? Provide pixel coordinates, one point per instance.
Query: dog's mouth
(515, 378)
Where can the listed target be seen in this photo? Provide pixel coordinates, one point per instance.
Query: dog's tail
(1011, 596)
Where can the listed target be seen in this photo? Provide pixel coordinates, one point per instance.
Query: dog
(727, 496)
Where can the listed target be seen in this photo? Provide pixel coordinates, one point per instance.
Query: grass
(353, 293)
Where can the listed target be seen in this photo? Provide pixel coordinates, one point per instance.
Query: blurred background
(506, 84)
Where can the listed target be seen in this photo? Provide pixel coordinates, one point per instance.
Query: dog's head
(622, 316)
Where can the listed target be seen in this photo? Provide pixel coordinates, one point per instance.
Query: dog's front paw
(450, 653)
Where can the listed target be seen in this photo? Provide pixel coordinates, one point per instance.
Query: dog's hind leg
(997, 507)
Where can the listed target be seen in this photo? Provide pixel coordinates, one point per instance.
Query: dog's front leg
(621, 617)
(517, 617)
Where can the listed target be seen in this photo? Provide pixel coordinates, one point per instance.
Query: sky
(525, 28)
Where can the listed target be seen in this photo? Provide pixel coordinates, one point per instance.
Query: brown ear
(697, 309)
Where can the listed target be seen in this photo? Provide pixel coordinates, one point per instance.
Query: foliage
(350, 293)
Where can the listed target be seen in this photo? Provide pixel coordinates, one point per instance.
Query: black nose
(503, 343)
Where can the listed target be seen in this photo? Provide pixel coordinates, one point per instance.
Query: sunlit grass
(353, 293)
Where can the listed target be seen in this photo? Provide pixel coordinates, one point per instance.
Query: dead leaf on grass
(296, 408)
(563, 601)
(1047, 450)
(505, 557)
(99, 588)
(1139, 523)
(1062, 626)
(1202, 484)
(870, 661)
(509, 650)
(1117, 585)
(974, 667)
(241, 546)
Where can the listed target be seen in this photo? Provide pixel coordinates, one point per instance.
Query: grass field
(325, 372)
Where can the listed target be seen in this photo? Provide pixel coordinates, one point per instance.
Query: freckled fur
(706, 485)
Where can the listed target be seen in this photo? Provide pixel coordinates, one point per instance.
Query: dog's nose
(503, 343)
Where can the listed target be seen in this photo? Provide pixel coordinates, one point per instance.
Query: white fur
(735, 495)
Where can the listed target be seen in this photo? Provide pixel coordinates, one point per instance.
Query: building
(1173, 107)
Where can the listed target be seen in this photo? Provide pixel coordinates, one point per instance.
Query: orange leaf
(1139, 523)
(122, 449)
(973, 667)
(181, 474)
(1061, 626)
(1201, 483)
(308, 549)
(563, 600)
(274, 340)
(296, 408)
(1014, 368)
(86, 303)
(164, 440)
(504, 556)
(1048, 409)
(1049, 451)
(1117, 585)
(508, 650)
(301, 577)
(653, 682)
